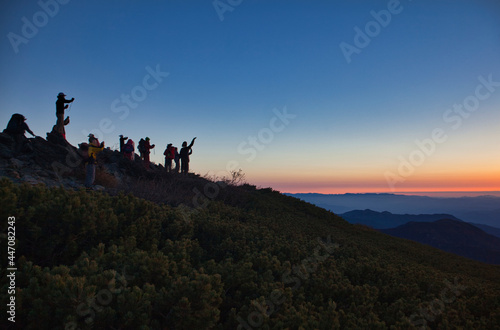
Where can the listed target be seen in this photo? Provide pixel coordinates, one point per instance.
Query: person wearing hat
(184, 156)
(169, 156)
(147, 148)
(93, 140)
(90, 166)
(60, 107)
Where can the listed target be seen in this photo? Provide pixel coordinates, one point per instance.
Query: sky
(302, 96)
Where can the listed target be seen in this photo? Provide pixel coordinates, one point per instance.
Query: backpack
(128, 148)
(170, 153)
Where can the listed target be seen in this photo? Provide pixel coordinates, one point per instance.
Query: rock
(5, 151)
(31, 180)
(6, 139)
(15, 175)
(16, 163)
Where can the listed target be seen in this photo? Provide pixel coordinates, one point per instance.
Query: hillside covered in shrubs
(241, 258)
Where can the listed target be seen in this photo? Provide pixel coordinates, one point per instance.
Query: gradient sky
(267, 86)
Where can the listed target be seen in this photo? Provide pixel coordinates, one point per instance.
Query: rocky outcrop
(55, 162)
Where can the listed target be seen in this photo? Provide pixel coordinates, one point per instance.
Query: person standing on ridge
(128, 150)
(176, 160)
(169, 156)
(122, 142)
(90, 166)
(60, 107)
(184, 156)
(147, 148)
(141, 148)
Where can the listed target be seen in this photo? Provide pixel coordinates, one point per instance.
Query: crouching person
(90, 166)
(16, 128)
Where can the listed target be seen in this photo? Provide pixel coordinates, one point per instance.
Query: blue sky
(225, 80)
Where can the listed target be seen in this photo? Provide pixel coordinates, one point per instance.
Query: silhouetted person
(90, 167)
(169, 156)
(60, 107)
(141, 148)
(128, 150)
(122, 142)
(16, 128)
(184, 156)
(147, 148)
(176, 160)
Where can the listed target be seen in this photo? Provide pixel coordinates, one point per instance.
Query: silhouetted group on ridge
(17, 127)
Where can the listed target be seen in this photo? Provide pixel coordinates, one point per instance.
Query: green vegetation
(248, 258)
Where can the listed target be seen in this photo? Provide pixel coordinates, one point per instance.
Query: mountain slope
(452, 236)
(198, 254)
(488, 229)
(261, 259)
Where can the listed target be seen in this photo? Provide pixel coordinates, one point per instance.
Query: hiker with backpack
(128, 150)
(146, 151)
(184, 156)
(90, 167)
(169, 156)
(16, 128)
(60, 107)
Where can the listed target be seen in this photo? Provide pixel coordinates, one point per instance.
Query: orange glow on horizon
(452, 179)
(372, 186)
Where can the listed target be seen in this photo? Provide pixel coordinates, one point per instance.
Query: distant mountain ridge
(453, 236)
(386, 220)
(480, 209)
